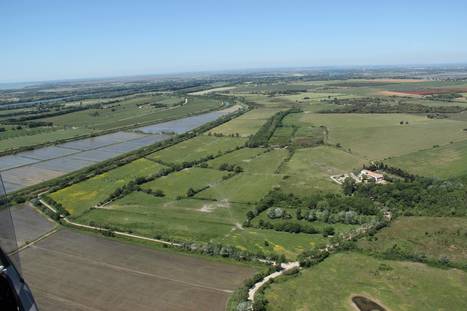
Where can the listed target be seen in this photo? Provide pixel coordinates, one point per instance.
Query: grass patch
(379, 136)
(244, 188)
(397, 285)
(178, 183)
(197, 148)
(238, 157)
(434, 237)
(247, 124)
(270, 241)
(309, 169)
(450, 161)
(187, 219)
(79, 197)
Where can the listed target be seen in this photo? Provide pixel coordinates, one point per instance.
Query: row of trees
(262, 136)
(295, 227)
(382, 105)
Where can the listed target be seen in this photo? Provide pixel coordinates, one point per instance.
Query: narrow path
(285, 267)
(295, 264)
(119, 233)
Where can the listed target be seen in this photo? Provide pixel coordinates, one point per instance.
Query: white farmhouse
(370, 175)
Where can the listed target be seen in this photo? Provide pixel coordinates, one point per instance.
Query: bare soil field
(424, 92)
(29, 224)
(77, 271)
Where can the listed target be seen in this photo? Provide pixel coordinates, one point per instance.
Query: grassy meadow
(450, 161)
(309, 169)
(243, 188)
(380, 136)
(434, 237)
(396, 285)
(247, 124)
(177, 184)
(80, 197)
(196, 148)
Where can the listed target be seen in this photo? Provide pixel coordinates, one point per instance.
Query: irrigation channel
(32, 167)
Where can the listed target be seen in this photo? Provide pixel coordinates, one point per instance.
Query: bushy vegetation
(327, 208)
(421, 196)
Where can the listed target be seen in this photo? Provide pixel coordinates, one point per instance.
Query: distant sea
(15, 85)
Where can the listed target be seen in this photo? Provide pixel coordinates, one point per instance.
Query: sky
(53, 40)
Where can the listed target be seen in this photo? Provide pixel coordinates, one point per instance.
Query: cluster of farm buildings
(364, 176)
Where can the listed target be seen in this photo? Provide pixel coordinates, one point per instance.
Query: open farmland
(64, 269)
(265, 163)
(134, 111)
(450, 161)
(182, 220)
(246, 124)
(34, 166)
(78, 198)
(309, 169)
(379, 136)
(243, 188)
(392, 284)
(72, 121)
(269, 241)
(434, 238)
(197, 148)
(259, 187)
(238, 157)
(177, 184)
(41, 137)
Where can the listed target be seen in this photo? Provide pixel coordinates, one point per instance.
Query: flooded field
(186, 124)
(32, 167)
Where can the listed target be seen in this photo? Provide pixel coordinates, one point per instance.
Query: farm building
(370, 175)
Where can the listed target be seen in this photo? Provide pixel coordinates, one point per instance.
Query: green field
(450, 161)
(244, 188)
(434, 237)
(228, 204)
(177, 184)
(238, 157)
(187, 220)
(379, 136)
(124, 112)
(270, 241)
(281, 136)
(403, 286)
(198, 221)
(253, 160)
(134, 111)
(309, 169)
(265, 163)
(197, 148)
(79, 197)
(41, 138)
(247, 124)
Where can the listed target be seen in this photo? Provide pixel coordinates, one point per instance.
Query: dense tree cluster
(230, 168)
(384, 105)
(421, 196)
(375, 166)
(292, 214)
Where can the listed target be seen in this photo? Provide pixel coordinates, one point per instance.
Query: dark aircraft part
(15, 294)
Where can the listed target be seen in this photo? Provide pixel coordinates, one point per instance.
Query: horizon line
(232, 71)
